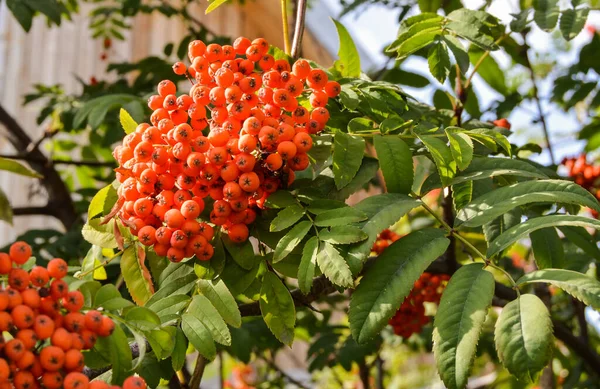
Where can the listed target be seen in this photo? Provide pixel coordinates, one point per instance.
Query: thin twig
(286, 27)
(480, 62)
(542, 117)
(221, 371)
(380, 372)
(198, 372)
(363, 372)
(45, 210)
(299, 28)
(58, 193)
(538, 103)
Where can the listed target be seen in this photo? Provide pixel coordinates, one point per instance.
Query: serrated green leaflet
(442, 157)
(222, 299)
(102, 202)
(459, 321)
(291, 240)
(519, 231)
(343, 235)
(390, 279)
(546, 13)
(277, 307)
(382, 212)
(339, 217)
(171, 305)
(202, 309)
(198, 335)
(439, 61)
(334, 266)
(473, 26)
(287, 217)
(493, 204)
(308, 263)
(460, 53)
(396, 163)
(572, 22)
(349, 60)
(523, 337)
(580, 286)
(418, 41)
(347, 157)
(461, 147)
(413, 25)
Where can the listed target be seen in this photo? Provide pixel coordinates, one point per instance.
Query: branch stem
(299, 28)
(198, 372)
(286, 29)
(480, 61)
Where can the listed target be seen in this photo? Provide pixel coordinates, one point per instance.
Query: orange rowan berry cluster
(410, 318)
(384, 239)
(237, 136)
(46, 326)
(585, 174)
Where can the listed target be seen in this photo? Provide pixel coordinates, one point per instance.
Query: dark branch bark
(198, 372)
(299, 28)
(363, 372)
(46, 210)
(58, 193)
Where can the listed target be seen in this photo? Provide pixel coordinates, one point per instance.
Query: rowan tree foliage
(214, 215)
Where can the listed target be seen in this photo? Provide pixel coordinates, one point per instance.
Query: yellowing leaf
(100, 271)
